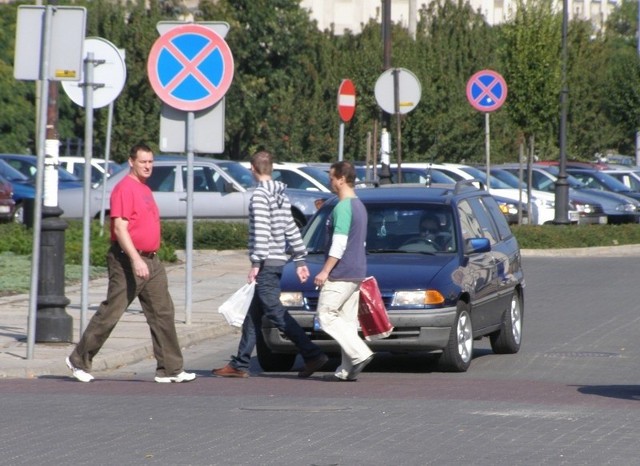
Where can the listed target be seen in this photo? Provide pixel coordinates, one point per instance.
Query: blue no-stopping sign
(190, 67)
(486, 90)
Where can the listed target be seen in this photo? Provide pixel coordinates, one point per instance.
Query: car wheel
(18, 214)
(507, 340)
(456, 356)
(270, 361)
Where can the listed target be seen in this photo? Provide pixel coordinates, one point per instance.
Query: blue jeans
(266, 301)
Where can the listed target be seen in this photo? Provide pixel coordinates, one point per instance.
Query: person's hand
(140, 268)
(252, 274)
(303, 273)
(320, 279)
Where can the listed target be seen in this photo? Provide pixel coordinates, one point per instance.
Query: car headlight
(507, 208)
(626, 208)
(584, 208)
(292, 299)
(417, 298)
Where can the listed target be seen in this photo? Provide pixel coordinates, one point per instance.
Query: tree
(530, 52)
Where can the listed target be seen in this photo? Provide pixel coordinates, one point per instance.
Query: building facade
(352, 14)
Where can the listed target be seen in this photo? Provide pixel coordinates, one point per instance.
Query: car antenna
(427, 182)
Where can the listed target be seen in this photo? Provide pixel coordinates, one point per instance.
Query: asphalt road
(570, 397)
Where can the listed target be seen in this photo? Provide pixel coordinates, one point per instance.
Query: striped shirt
(272, 228)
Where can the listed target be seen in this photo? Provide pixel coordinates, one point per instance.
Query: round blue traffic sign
(190, 67)
(486, 90)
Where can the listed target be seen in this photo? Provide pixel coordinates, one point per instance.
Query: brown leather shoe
(311, 366)
(230, 371)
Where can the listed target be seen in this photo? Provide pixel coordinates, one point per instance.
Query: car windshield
(11, 174)
(318, 174)
(240, 174)
(599, 180)
(482, 176)
(508, 178)
(397, 228)
(572, 180)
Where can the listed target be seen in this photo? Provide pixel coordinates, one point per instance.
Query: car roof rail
(465, 184)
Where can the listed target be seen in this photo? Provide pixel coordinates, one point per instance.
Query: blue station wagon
(442, 289)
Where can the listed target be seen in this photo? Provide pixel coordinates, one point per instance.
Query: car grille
(312, 302)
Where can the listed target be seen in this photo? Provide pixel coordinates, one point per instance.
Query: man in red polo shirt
(134, 271)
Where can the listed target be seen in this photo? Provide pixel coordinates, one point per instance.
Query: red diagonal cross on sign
(486, 91)
(191, 67)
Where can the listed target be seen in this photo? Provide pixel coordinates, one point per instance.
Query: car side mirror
(476, 245)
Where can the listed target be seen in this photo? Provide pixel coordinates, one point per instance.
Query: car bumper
(413, 331)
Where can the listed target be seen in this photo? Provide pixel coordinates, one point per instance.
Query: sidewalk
(215, 276)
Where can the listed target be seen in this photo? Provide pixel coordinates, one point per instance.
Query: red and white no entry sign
(346, 100)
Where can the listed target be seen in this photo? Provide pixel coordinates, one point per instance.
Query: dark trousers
(266, 301)
(157, 306)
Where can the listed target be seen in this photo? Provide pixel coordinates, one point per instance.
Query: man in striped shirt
(271, 227)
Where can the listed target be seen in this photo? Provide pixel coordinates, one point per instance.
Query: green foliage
(287, 73)
(571, 236)
(206, 235)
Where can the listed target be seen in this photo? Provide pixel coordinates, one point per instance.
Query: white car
(300, 176)
(75, 165)
(543, 203)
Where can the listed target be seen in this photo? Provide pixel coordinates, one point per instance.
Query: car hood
(392, 271)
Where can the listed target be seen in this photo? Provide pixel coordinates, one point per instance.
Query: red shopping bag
(372, 314)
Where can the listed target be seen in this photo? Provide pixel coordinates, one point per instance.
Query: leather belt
(147, 254)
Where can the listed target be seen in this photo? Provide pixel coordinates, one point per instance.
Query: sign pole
(341, 142)
(487, 145)
(189, 240)
(88, 85)
(107, 151)
(37, 208)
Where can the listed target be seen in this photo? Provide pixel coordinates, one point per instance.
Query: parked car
(217, 193)
(23, 189)
(28, 165)
(630, 177)
(99, 167)
(440, 296)
(7, 204)
(594, 206)
(543, 208)
(602, 181)
(512, 180)
(300, 176)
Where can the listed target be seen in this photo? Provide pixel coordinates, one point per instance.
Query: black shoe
(335, 378)
(313, 365)
(355, 370)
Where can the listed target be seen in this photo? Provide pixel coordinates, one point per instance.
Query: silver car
(221, 191)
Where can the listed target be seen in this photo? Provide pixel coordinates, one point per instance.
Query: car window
(484, 220)
(204, 179)
(240, 174)
(292, 179)
(162, 179)
(498, 217)
(468, 221)
(542, 182)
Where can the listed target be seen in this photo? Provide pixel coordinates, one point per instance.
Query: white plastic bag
(235, 308)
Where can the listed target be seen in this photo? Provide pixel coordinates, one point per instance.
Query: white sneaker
(181, 377)
(79, 374)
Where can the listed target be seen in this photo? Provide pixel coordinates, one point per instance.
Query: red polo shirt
(133, 200)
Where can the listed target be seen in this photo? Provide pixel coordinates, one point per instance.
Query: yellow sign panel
(65, 74)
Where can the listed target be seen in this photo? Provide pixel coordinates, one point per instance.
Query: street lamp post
(562, 186)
